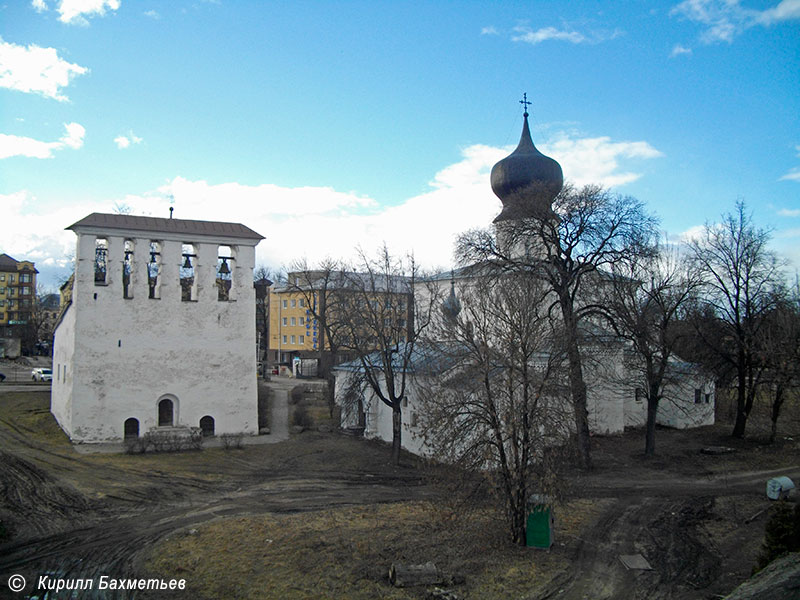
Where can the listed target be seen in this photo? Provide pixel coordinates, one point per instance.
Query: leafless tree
(496, 405)
(779, 343)
(646, 297)
(590, 230)
(262, 280)
(739, 274)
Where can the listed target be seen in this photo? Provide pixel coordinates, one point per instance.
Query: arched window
(131, 428)
(165, 413)
(207, 425)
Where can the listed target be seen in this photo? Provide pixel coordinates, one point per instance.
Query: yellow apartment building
(17, 300)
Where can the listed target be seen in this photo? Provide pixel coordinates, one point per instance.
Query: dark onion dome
(526, 181)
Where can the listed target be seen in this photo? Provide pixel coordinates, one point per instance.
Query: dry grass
(346, 553)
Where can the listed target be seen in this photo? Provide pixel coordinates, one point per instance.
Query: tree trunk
(578, 391)
(397, 431)
(650, 433)
(741, 398)
(776, 411)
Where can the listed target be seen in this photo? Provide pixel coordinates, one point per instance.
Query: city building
(17, 300)
(158, 331)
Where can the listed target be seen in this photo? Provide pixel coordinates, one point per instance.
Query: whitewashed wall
(123, 355)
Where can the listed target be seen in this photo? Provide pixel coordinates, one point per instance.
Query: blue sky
(329, 125)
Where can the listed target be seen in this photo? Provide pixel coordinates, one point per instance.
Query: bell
(223, 268)
(187, 264)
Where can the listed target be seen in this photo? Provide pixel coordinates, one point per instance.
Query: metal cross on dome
(525, 103)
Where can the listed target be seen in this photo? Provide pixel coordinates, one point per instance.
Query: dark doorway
(207, 425)
(165, 413)
(131, 428)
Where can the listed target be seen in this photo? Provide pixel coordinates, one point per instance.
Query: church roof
(159, 225)
(526, 180)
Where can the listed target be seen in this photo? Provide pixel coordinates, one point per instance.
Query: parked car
(42, 374)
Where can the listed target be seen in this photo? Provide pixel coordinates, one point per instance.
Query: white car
(42, 375)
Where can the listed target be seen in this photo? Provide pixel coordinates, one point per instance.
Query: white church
(526, 182)
(160, 330)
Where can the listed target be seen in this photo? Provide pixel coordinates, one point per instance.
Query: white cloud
(597, 160)
(73, 11)
(678, 49)
(36, 70)
(124, 141)
(528, 35)
(491, 30)
(13, 145)
(316, 222)
(39, 5)
(793, 174)
(789, 212)
(153, 14)
(723, 20)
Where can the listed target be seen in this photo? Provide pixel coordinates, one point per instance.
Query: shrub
(781, 533)
(231, 440)
(296, 395)
(301, 417)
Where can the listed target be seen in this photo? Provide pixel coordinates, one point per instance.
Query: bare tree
(647, 296)
(379, 319)
(262, 280)
(740, 273)
(496, 405)
(779, 343)
(590, 230)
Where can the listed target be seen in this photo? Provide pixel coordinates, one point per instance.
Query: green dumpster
(539, 529)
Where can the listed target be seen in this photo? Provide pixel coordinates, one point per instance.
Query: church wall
(62, 384)
(128, 353)
(680, 407)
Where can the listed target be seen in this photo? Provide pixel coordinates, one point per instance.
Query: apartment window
(292, 342)
(25, 278)
(302, 320)
(12, 291)
(285, 304)
(285, 321)
(302, 303)
(2, 302)
(294, 321)
(294, 303)
(3, 277)
(284, 339)
(11, 279)
(301, 340)
(26, 291)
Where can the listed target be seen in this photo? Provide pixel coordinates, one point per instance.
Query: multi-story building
(159, 331)
(312, 306)
(17, 300)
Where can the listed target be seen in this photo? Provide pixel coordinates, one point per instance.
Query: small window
(25, 278)
(285, 321)
(292, 342)
(639, 394)
(301, 340)
(294, 321)
(127, 270)
(207, 425)
(708, 398)
(11, 279)
(25, 291)
(302, 321)
(2, 277)
(284, 339)
(165, 413)
(294, 303)
(131, 428)
(285, 304)
(697, 395)
(302, 303)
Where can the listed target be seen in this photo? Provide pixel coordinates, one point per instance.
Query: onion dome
(526, 181)
(451, 306)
